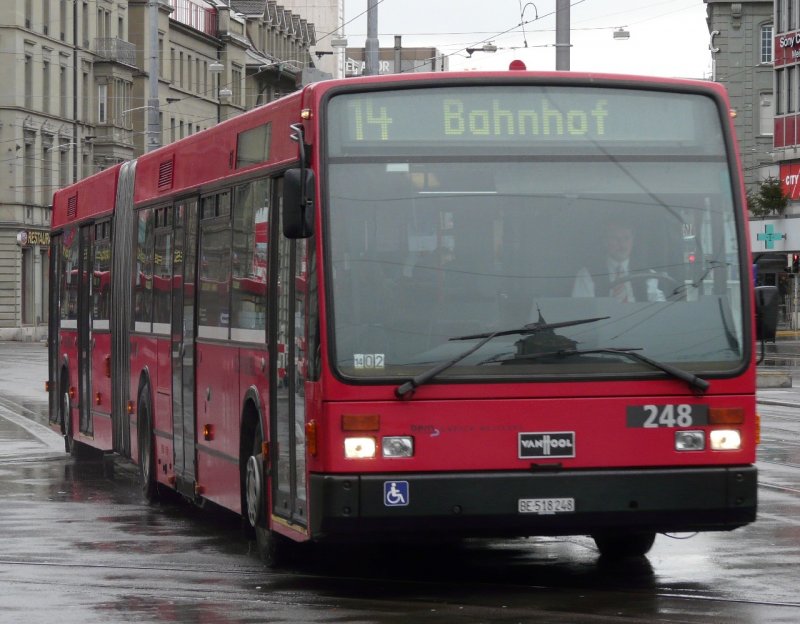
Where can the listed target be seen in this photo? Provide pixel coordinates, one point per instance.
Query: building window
(236, 84)
(29, 166)
(790, 85)
(766, 114)
(779, 110)
(28, 81)
(86, 96)
(48, 166)
(62, 19)
(46, 17)
(46, 86)
(102, 103)
(766, 43)
(85, 24)
(63, 166)
(62, 91)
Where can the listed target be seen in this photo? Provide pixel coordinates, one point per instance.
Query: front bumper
(487, 504)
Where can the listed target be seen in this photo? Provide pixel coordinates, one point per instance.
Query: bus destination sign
(517, 116)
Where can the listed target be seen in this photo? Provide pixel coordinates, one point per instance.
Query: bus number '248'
(652, 416)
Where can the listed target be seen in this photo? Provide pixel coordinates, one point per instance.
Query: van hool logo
(550, 444)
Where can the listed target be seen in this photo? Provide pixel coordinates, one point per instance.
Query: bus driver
(613, 278)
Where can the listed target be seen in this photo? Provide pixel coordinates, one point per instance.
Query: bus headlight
(725, 440)
(398, 446)
(359, 448)
(690, 440)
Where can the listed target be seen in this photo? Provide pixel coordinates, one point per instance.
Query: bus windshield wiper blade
(693, 380)
(406, 390)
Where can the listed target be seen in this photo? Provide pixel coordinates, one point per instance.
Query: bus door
(53, 329)
(85, 329)
(183, 344)
(288, 369)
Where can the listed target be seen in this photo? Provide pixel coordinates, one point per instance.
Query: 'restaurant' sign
(29, 238)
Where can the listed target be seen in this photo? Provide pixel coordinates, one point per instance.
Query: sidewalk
(785, 397)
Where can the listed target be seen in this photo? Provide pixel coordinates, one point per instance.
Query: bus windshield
(463, 211)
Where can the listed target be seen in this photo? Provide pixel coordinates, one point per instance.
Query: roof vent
(72, 207)
(165, 171)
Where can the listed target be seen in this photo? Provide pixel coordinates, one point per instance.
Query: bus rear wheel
(624, 545)
(66, 421)
(270, 547)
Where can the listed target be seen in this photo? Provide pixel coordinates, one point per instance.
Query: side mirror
(766, 312)
(298, 203)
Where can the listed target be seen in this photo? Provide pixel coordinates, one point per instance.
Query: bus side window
(143, 273)
(101, 273)
(214, 268)
(250, 255)
(162, 270)
(69, 279)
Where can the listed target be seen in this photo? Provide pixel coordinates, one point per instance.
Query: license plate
(546, 506)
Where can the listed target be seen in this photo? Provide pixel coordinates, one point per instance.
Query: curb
(778, 403)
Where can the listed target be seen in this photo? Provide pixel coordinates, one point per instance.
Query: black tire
(147, 474)
(64, 414)
(271, 548)
(66, 424)
(624, 545)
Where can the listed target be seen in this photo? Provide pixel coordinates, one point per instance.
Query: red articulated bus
(384, 307)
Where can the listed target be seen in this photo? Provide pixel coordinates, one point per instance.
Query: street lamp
(487, 47)
(620, 34)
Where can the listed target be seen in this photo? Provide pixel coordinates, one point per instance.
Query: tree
(768, 199)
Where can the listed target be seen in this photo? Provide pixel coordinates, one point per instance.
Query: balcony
(115, 50)
(195, 14)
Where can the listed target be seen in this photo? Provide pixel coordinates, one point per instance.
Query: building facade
(396, 60)
(77, 99)
(747, 58)
(740, 40)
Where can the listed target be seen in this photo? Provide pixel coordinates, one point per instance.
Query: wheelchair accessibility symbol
(395, 493)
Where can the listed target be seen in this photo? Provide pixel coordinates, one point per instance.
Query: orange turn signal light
(361, 422)
(208, 432)
(72, 392)
(130, 407)
(98, 398)
(726, 416)
(311, 437)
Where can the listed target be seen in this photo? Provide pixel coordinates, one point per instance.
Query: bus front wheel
(624, 545)
(270, 547)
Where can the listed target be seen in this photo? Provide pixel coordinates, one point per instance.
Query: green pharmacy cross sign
(769, 236)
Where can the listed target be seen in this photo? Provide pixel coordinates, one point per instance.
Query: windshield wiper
(406, 390)
(693, 380)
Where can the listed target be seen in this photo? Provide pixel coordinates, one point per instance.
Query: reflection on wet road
(77, 544)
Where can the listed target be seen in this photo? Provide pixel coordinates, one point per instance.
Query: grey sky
(667, 37)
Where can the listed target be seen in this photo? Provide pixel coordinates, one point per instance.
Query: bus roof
(93, 196)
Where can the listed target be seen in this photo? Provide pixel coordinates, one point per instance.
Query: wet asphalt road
(77, 544)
